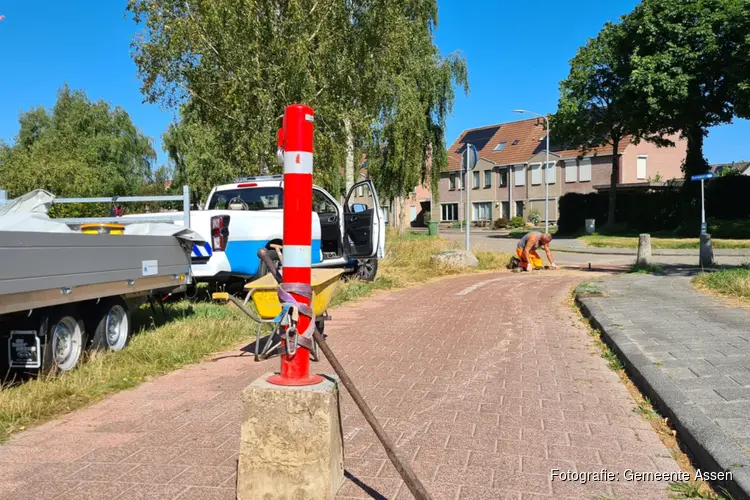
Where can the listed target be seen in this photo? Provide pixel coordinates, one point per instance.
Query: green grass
(646, 409)
(649, 269)
(606, 241)
(694, 489)
(732, 282)
(199, 330)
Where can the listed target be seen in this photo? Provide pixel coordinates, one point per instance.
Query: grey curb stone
(710, 446)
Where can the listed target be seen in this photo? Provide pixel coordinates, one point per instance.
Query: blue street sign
(469, 158)
(702, 177)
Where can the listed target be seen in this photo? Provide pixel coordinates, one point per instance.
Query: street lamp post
(546, 167)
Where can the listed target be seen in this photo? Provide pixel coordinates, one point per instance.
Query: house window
(641, 167)
(483, 210)
(500, 146)
(571, 174)
(502, 178)
(505, 209)
(475, 180)
(519, 209)
(487, 179)
(452, 182)
(536, 174)
(519, 175)
(584, 170)
(551, 174)
(461, 180)
(449, 212)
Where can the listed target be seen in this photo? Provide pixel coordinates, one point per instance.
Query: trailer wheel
(63, 341)
(113, 327)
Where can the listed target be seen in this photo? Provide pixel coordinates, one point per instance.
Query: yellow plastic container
(265, 297)
(102, 228)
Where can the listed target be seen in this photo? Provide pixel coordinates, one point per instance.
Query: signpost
(468, 162)
(702, 178)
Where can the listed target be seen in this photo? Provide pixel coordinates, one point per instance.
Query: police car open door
(363, 222)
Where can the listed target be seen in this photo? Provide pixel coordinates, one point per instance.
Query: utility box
(590, 226)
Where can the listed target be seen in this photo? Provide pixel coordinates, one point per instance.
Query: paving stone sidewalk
(486, 383)
(691, 352)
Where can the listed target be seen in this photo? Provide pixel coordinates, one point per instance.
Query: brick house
(509, 179)
(416, 205)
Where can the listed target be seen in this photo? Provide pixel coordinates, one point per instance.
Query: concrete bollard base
(643, 258)
(291, 444)
(706, 254)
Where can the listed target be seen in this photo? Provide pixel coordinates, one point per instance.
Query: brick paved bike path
(483, 402)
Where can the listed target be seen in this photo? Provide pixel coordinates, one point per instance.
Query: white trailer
(63, 291)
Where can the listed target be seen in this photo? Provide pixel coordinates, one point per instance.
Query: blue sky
(517, 53)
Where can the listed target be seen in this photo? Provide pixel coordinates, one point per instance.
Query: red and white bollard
(296, 140)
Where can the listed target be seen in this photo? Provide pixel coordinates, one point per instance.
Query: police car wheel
(263, 269)
(367, 269)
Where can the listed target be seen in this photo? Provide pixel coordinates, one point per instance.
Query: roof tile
(529, 133)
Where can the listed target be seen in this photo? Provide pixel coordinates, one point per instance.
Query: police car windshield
(259, 198)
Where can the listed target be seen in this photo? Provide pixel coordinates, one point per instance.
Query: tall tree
(79, 148)
(681, 53)
(239, 62)
(594, 108)
(415, 89)
(194, 151)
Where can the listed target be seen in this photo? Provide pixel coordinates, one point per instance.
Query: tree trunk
(695, 163)
(614, 178)
(428, 178)
(401, 214)
(349, 163)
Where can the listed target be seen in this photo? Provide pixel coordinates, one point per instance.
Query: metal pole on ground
(546, 184)
(468, 207)
(297, 143)
(703, 208)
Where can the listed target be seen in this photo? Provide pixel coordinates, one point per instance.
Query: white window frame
(486, 184)
(551, 172)
(584, 170)
(476, 212)
(476, 179)
(536, 174)
(519, 175)
(571, 171)
(452, 182)
(645, 167)
(444, 207)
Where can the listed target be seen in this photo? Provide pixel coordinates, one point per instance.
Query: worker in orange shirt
(526, 250)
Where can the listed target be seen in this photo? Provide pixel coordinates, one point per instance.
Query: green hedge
(676, 209)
